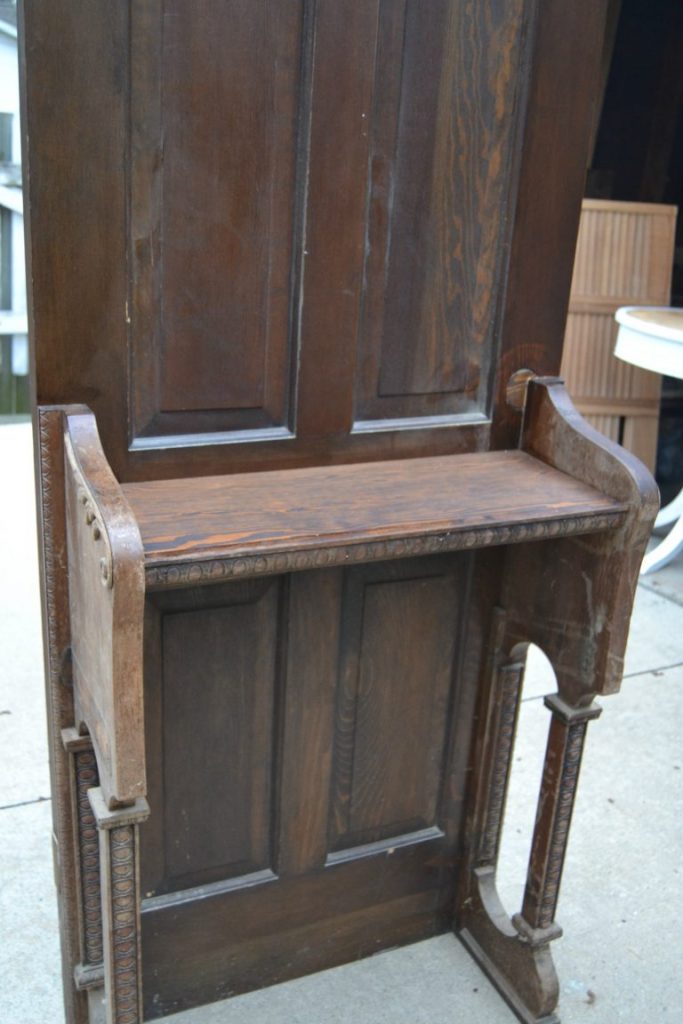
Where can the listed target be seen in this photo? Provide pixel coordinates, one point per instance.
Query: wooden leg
(581, 623)
(523, 974)
(515, 952)
(556, 803)
(119, 861)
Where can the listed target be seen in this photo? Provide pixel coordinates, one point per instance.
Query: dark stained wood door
(286, 237)
(290, 233)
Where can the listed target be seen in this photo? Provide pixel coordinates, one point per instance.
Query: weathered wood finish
(585, 635)
(106, 593)
(556, 802)
(89, 973)
(49, 427)
(327, 764)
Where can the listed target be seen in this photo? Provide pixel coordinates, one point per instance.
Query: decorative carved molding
(89, 852)
(120, 905)
(90, 512)
(556, 802)
(48, 519)
(124, 926)
(563, 816)
(507, 698)
(215, 570)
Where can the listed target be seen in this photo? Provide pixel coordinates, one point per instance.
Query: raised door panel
(306, 745)
(320, 203)
(214, 108)
(442, 132)
(211, 685)
(395, 675)
(417, 112)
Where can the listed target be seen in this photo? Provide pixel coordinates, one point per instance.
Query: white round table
(652, 337)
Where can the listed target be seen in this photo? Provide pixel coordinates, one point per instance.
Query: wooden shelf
(247, 524)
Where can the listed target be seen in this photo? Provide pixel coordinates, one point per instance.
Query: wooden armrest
(555, 432)
(106, 599)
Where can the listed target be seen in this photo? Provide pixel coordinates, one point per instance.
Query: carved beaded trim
(511, 680)
(124, 926)
(91, 892)
(47, 508)
(563, 815)
(190, 573)
(60, 709)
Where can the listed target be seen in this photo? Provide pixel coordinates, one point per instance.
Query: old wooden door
(298, 232)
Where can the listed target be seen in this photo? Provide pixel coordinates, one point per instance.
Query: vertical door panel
(214, 139)
(395, 675)
(211, 698)
(442, 136)
(306, 758)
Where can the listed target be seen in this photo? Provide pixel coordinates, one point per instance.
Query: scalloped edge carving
(217, 570)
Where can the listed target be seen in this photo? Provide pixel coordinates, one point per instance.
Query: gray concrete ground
(623, 887)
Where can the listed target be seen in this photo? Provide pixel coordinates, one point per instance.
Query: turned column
(536, 922)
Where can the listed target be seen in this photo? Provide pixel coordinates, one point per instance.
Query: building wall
(13, 347)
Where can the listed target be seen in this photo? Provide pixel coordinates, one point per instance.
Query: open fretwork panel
(299, 274)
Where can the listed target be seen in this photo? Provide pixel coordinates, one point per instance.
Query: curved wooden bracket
(573, 596)
(555, 432)
(106, 598)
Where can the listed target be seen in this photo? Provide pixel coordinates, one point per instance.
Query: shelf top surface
(303, 509)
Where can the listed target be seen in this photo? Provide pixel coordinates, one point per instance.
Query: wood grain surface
(222, 643)
(212, 207)
(442, 136)
(106, 598)
(299, 232)
(281, 510)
